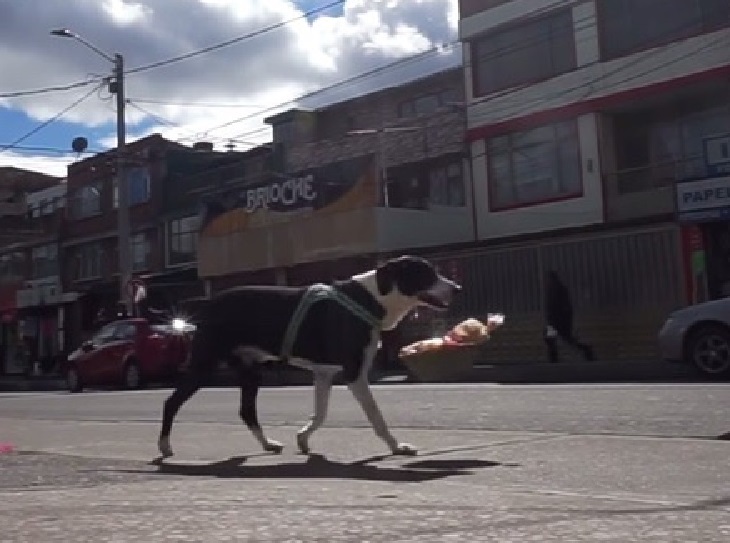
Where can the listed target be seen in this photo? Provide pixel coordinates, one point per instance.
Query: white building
(583, 117)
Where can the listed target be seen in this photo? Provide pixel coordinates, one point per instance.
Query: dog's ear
(384, 277)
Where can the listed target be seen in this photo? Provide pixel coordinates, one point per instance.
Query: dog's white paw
(164, 446)
(303, 443)
(273, 446)
(405, 449)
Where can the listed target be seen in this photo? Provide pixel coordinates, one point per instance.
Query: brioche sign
(340, 186)
(292, 193)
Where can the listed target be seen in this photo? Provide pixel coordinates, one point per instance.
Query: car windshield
(104, 335)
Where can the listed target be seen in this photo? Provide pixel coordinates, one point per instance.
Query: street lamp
(382, 167)
(116, 87)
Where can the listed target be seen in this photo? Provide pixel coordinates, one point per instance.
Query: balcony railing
(657, 175)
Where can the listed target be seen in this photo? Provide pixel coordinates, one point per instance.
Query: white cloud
(263, 71)
(50, 165)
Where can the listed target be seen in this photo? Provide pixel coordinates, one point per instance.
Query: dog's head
(416, 280)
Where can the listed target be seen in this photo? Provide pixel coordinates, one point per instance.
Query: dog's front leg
(360, 389)
(322, 389)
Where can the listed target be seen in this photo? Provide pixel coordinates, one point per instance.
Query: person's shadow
(317, 466)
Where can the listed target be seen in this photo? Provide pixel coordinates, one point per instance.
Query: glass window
(533, 166)
(140, 249)
(125, 331)
(12, 265)
(426, 104)
(138, 180)
(45, 261)
(89, 261)
(182, 240)
(628, 26)
(105, 335)
(86, 202)
(656, 147)
(532, 51)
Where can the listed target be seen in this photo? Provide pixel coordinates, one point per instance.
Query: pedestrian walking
(559, 319)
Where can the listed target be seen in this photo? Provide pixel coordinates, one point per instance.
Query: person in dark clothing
(559, 319)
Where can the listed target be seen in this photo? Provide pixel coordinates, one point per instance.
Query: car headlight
(179, 325)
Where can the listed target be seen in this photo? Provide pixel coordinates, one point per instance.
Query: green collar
(316, 293)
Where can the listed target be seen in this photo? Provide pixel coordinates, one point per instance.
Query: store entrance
(717, 246)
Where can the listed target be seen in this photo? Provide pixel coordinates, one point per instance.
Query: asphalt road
(673, 410)
(610, 463)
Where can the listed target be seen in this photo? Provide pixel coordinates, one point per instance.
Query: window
(45, 261)
(86, 201)
(534, 166)
(527, 53)
(140, 251)
(139, 187)
(182, 240)
(125, 331)
(427, 103)
(656, 147)
(12, 265)
(446, 185)
(105, 335)
(89, 261)
(628, 26)
(472, 7)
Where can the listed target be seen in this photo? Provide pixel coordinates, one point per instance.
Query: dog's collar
(316, 293)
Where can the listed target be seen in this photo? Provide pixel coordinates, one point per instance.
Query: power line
(233, 41)
(42, 149)
(46, 90)
(194, 104)
(358, 77)
(49, 121)
(157, 118)
(410, 59)
(192, 54)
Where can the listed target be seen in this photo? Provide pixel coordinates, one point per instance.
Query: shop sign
(290, 194)
(704, 199)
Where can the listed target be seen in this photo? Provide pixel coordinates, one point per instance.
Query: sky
(217, 96)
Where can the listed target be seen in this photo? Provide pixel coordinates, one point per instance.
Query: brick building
(353, 181)
(160, 241)
(28, 226)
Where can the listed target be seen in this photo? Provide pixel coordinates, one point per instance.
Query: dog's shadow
(317, 466)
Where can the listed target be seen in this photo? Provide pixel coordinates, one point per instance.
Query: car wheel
(73, 380)
(709, 350)
(132, 376)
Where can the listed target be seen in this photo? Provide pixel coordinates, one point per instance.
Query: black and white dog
(325, 329)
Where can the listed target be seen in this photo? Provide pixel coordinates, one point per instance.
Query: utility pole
(116, 87)
(125, 272)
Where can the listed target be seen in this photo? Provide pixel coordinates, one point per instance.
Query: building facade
(30, 207)
(346, 185)
(584, 122)
(90, 242)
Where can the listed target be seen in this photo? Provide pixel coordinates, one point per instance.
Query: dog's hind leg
(250, 381)
(322, 389)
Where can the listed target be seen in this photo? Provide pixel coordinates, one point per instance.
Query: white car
(700, 335)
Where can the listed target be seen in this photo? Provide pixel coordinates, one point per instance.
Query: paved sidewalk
(96, 482)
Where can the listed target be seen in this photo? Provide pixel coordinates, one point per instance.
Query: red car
(129, 353)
